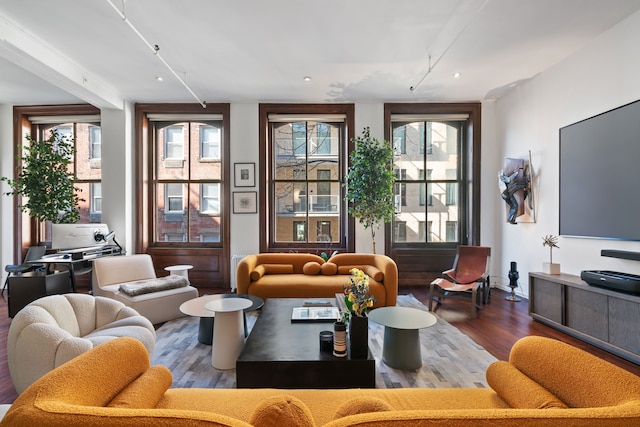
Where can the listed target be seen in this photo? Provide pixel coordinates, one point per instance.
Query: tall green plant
(370, 182)
(45, 181)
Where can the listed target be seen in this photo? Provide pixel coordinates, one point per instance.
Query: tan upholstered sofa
(54, 329)
(545, 383)
(111, 273)
(301, 275)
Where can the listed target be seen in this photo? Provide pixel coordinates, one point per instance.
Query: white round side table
(228, 330)
(180, 270)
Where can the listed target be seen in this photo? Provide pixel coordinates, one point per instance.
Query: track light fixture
(461, 17)
(156, 51)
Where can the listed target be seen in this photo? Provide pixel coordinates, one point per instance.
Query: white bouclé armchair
(54, 329)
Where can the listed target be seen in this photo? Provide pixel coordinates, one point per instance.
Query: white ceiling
(63, 51)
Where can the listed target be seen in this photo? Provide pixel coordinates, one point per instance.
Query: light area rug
(449, 357)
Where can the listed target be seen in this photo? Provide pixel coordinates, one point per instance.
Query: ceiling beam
(35, 56)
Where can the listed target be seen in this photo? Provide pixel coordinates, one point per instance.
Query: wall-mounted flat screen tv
(600, 175)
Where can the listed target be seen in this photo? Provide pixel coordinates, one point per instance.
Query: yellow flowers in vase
(357, 296)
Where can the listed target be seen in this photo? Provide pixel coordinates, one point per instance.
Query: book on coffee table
(317, 303)
(315, 314)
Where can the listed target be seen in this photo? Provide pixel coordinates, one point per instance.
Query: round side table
(180, 270)
(205, 330)
(228, 331)
(401, 345)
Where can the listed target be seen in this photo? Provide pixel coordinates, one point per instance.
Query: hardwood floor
(499, 325)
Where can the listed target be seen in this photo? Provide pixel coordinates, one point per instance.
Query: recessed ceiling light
(159, 78)
(457, 75)
(306, 78)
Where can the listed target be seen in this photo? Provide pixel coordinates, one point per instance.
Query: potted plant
(549, 267)
(369, 182)
(44, 182)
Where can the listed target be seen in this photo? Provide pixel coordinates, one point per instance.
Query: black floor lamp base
(513, 297)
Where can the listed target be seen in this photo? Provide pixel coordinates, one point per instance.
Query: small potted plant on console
(549, 267)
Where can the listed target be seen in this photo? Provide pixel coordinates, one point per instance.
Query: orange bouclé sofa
(301, 275)
(544, 383)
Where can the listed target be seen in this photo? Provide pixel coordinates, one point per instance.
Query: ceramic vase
(359, 336)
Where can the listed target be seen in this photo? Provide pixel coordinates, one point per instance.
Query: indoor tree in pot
(370, 182)
(45, 182)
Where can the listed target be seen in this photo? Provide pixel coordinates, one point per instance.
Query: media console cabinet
(604, 318)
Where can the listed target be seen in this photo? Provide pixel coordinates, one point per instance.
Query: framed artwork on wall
(245, 174)
(245, 202)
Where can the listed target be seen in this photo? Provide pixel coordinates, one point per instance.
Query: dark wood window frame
(420, 265)
(23, 224)
(347, 241)
(210, 261)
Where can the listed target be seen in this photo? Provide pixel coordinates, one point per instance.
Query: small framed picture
(245, 202)
(245, 174)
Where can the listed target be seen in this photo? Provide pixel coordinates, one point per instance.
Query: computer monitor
(73, 236)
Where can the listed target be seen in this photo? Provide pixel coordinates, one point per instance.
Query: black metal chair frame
(33, 253)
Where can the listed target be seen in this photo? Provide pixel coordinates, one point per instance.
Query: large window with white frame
(174, 142)
(95, 142)
(210, 140)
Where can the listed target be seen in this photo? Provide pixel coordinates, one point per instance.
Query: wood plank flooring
(498, 326)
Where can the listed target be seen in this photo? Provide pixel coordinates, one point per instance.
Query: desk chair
(33, 253)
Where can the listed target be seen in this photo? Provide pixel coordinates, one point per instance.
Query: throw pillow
(518, 390)
(282, 411)
(257, 272)
(328, 269)
(278, 268)
(145, 391)
(346, 269)
(373, 272)
(362, 405)
(311, 268)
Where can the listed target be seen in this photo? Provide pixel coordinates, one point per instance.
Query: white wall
(603, 75)
(372, 116)
(245, 228)
(6, 203)
(118, 207)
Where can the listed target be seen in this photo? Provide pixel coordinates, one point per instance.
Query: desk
(78, 266)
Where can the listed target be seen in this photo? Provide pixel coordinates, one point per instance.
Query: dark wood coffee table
(282, 354)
